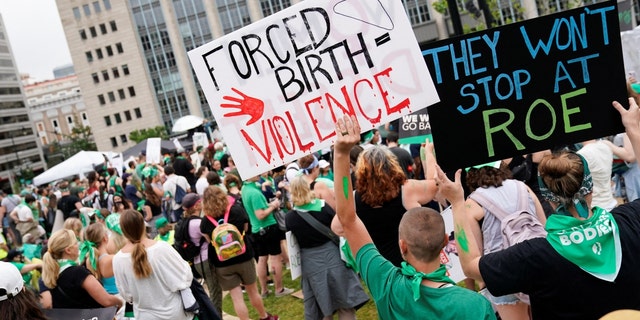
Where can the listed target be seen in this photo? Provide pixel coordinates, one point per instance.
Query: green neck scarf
(65, 263)
(592, 244)
(165, 237)
(88, 248)
(439, 275)
(113, 223)
(314, 205)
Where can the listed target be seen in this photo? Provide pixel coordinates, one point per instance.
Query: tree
(80, 138)
(156, 132)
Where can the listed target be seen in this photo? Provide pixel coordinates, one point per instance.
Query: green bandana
(165, 237)
(439, 275)
(88, 248)
(314, 205)
(84, 220)
(113, 223)
(592, 244)
(65, 263)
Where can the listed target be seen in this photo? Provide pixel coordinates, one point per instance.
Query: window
(116, 73)
(109, 51)
(89, 56)
(103, 28)
(114, 142)
(117, 117)
(96, 6)
(76, 13)
(125, 69)
(121, 94)
(40, 126)
(112, 96)
(127, 115)
(83, 34)
(87, 10)
(107, 4)
(101, 99)
(95, 77)
(99, 53)
(70, 120)
(119, 47)
(93, 32)
(107, 121)
(56, 127)
(84, 116)
(132, 91)
(114, 27)
(105, 75)
(123, 138)
(138, 112)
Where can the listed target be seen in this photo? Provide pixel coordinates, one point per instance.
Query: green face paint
(461, 237)
(345, 187)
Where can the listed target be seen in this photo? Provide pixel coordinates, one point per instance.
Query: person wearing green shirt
(267, 235)
(420, 288)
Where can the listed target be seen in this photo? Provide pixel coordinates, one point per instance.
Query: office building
(20, 154)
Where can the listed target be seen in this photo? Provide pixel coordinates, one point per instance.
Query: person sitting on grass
(420, 286)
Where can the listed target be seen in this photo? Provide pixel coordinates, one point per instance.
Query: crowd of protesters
(365, 210)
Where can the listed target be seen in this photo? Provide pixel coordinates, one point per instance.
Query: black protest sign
(527, 86)
(414, 127)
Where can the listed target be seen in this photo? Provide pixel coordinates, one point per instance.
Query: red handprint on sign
(248, 106)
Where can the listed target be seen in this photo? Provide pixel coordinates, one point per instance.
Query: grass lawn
(290, 307)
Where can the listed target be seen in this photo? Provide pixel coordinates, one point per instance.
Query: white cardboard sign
(277, 86)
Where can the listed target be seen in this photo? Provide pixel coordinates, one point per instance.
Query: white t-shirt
(201, 184)
(157, 296)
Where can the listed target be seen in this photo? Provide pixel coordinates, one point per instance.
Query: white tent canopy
(79, 164)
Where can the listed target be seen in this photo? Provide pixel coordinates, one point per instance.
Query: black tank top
(382, 223)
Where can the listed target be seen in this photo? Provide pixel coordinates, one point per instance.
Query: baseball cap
(13, 253)
(161, 222)
(323, 163)
(11, 280)
(190, 200)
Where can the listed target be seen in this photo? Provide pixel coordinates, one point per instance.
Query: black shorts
(267, 241)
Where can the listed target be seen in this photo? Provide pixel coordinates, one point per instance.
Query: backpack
(226, 239)
(517, 226)
(182, 241)
(180, 193)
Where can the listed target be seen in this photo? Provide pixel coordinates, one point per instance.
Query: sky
(36, 36)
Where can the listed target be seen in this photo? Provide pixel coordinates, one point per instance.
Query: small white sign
(153, 150)
(294, 255)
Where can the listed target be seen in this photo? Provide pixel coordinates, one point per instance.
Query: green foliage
(80, 138)
(157, 132)
(440, 6)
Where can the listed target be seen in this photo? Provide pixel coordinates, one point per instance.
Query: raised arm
(467, 245)
(631, 122)
(348, 135)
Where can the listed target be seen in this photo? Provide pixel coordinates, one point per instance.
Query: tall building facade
(19, 151)
(131, 55)
(56, 107)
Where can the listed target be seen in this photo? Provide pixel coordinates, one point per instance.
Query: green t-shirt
(253, 199)
(391, 291)
(25, 276)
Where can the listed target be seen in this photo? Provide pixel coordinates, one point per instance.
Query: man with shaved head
(420, 286)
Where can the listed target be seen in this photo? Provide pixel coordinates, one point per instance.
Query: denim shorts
(501, 300)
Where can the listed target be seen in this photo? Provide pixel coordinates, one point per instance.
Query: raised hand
(347, 133)
(631, 117)
(247, 106)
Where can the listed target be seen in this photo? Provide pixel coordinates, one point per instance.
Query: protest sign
(414, 128)
(293, 249)
(527, 86)
(277, 86)
(153, 150)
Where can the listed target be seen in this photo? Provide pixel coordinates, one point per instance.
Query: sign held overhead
(277, 86)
